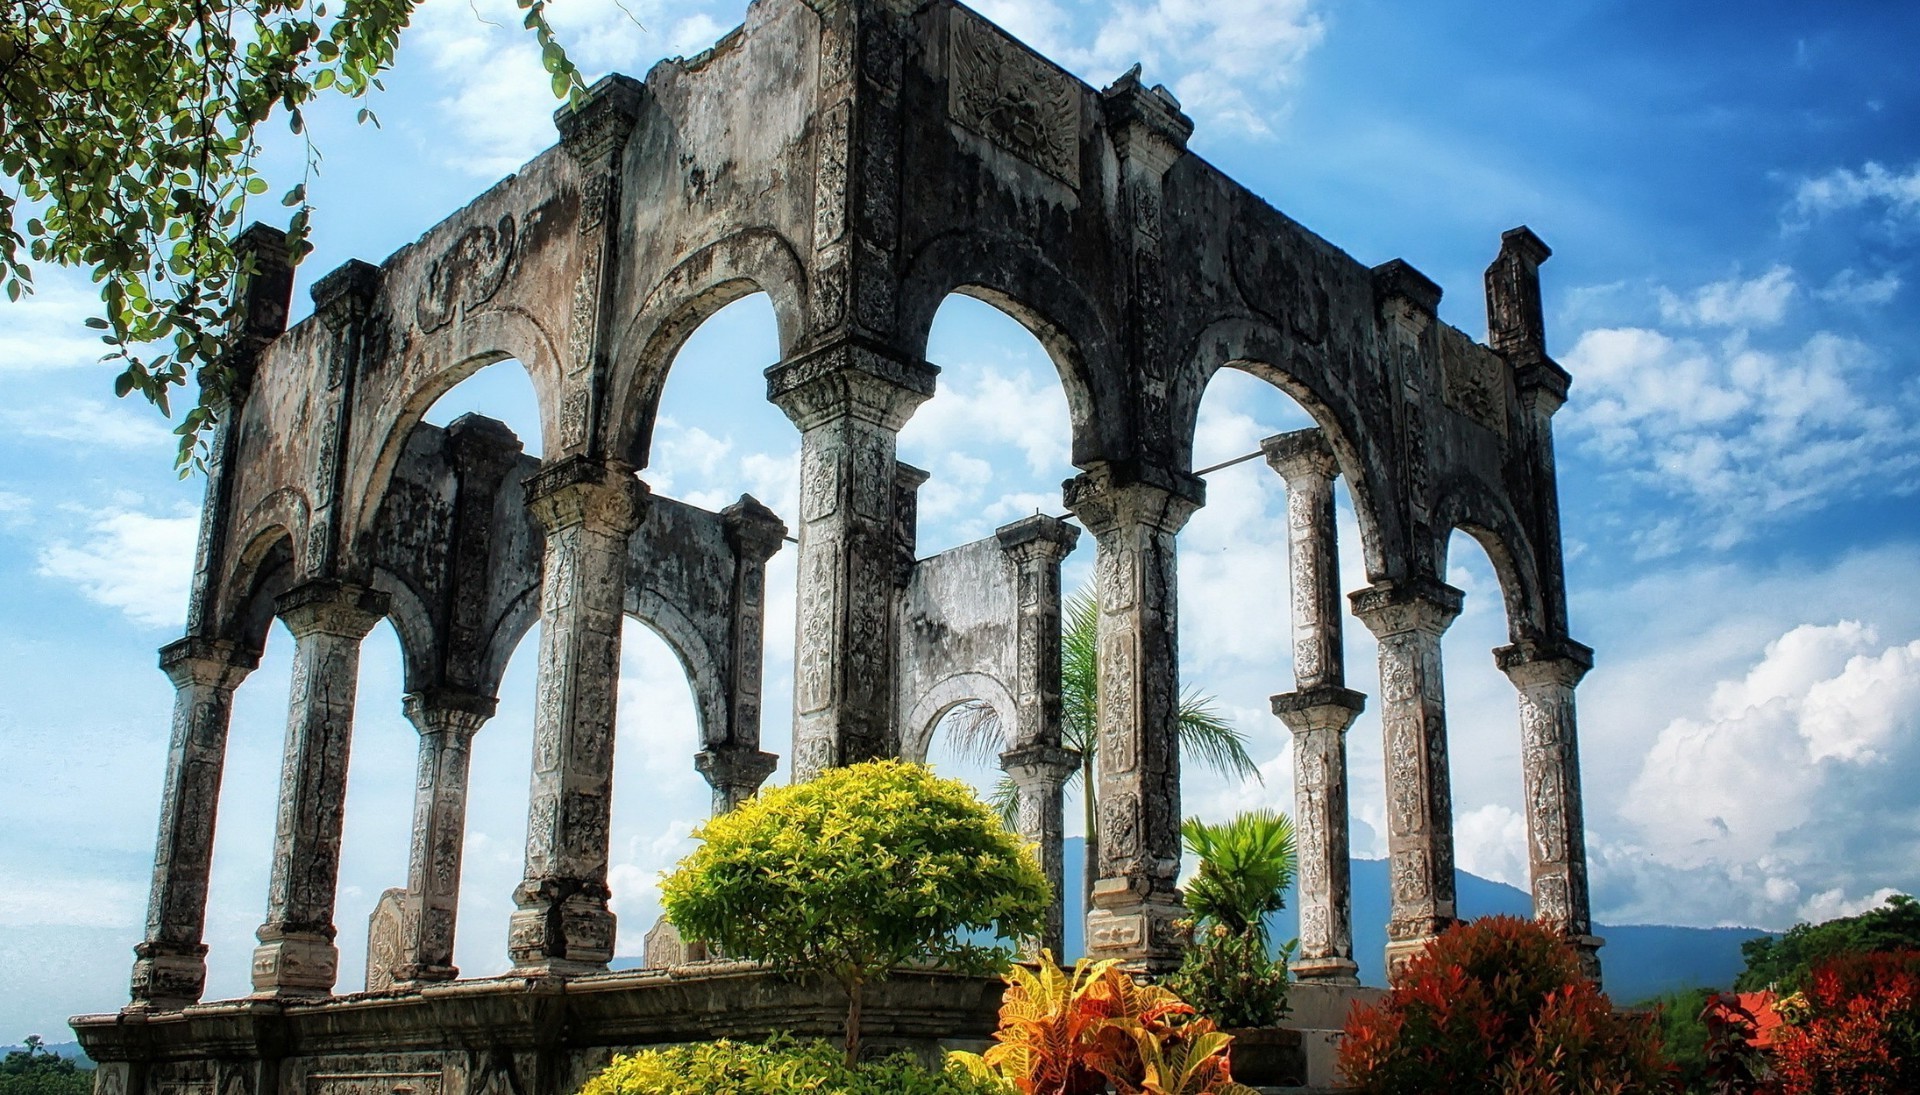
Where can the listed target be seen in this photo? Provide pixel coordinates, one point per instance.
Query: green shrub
(1246, 866)
(34, 1071)
(779, 1067)
(1231, 979)
(858, 871)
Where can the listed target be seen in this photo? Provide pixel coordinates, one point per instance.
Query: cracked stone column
(170, 965)
(1408, 617)
(1545, 675)
(1037, 764)
(1136, 899)
(447, 721)
(1319, 710)
(735, 766)
(561, 924)
(328, 619)
(849, 400)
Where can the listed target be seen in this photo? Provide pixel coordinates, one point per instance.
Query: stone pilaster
(447, 722)
(1306, 462)
(170, 966)
(1039, 774)
(561, 924)
(849, 401)
(1409, 617)
(1134, 521)
(328, 619)
(734, 766)
(1545, 676)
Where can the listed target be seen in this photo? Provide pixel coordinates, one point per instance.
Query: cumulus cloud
(1755, 302)
(1872, 185)
(90, 422)
(1850, 287)
(135, 562)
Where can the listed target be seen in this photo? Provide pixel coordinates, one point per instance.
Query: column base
(406, 977)
(1400, 952)
(168, 976)
(1588, 947)
(289, 963)
(565, 938)
(1326, 971)
(1138, 930)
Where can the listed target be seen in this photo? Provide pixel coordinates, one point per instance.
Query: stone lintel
(1398, 280)
(1301, 454)
(1557, 661)
(1329, 707)
(1524, 243)
(1039, 764)
(754, 531)
(1147, 125)
(603, 495)
(331, 606)
(1110, 494)
(213, 663)
(344, 295)
(595, 129)
(1038, 536)
(851, 377)
(1394, 607)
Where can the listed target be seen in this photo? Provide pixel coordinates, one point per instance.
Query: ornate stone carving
(998, 89)
(1474, 382)
(466, 275)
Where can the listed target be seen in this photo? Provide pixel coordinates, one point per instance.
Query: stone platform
(509, 1035)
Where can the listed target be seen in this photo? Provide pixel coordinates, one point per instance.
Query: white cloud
(1757, 302)
(1873, 184)
(93, 423)
(1848, 287)
(135, 562)
(46, 330)
(1491, 841)
(43, 901)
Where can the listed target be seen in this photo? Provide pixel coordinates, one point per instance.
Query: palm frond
(1004, 800)
(1080, 670)
(973, 727)
(1216, 742)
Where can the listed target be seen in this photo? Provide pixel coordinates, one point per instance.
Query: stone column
(734, 765)
(170, 965)
(447, 721)
(1319, 709)
(328, 618)
(1037, 764)
(1545, 675)
(561, 924)
(1134, 522)
(1408, 617)
(849, 400)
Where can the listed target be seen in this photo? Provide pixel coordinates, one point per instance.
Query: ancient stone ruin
(857, 161)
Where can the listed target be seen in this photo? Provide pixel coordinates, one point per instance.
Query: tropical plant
(779, 1065)
(1785, 961)
(132, 138)
(1857, 1031)
(1246, 866)
(976, 731)
(852, 873)
(1233, 979)
(1074, 1034)
(1498, 1006)
(35, 1071)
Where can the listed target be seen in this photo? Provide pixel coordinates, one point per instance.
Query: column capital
(600, 495)
(1301, 456)
(1543, 385)
(1398, 606)
(851, 377)
(1329, 707)
(1405, 295)
(1050, 764)
(209, 663)
(1112, 495)
(1554, 661)
(331, 606)
(345, 294)
(755, 531)
(595, 129)
(1043, 538)
(435, 709)
(483, 445)
(730, 766)
(1146, 123)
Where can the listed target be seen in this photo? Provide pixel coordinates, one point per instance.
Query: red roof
(1759, 1007)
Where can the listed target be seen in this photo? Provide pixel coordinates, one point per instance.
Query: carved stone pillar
(1134, 522)
(1037, 764)
(328, 618)
(849, 401)
(170, 965)
(561, 924)
(1545, 675)
(733, 764)
(1318, 710)
(447, 722)
(1408, 618)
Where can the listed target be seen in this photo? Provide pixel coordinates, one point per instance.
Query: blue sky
(1733, 196)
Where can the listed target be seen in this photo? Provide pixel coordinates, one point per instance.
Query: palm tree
(977, 733)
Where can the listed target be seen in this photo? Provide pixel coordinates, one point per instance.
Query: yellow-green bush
(779, 1067)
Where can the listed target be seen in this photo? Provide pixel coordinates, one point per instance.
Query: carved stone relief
(998, 89)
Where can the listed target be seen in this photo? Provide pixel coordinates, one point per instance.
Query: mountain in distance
(1639, 960)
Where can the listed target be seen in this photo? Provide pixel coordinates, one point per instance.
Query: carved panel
(1473, 383)
(1013, 98)
(374, 1083)
(466, 275)
(830, 174)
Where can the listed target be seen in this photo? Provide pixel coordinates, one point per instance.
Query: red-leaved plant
(1499, 1006)
(1861, 1031)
